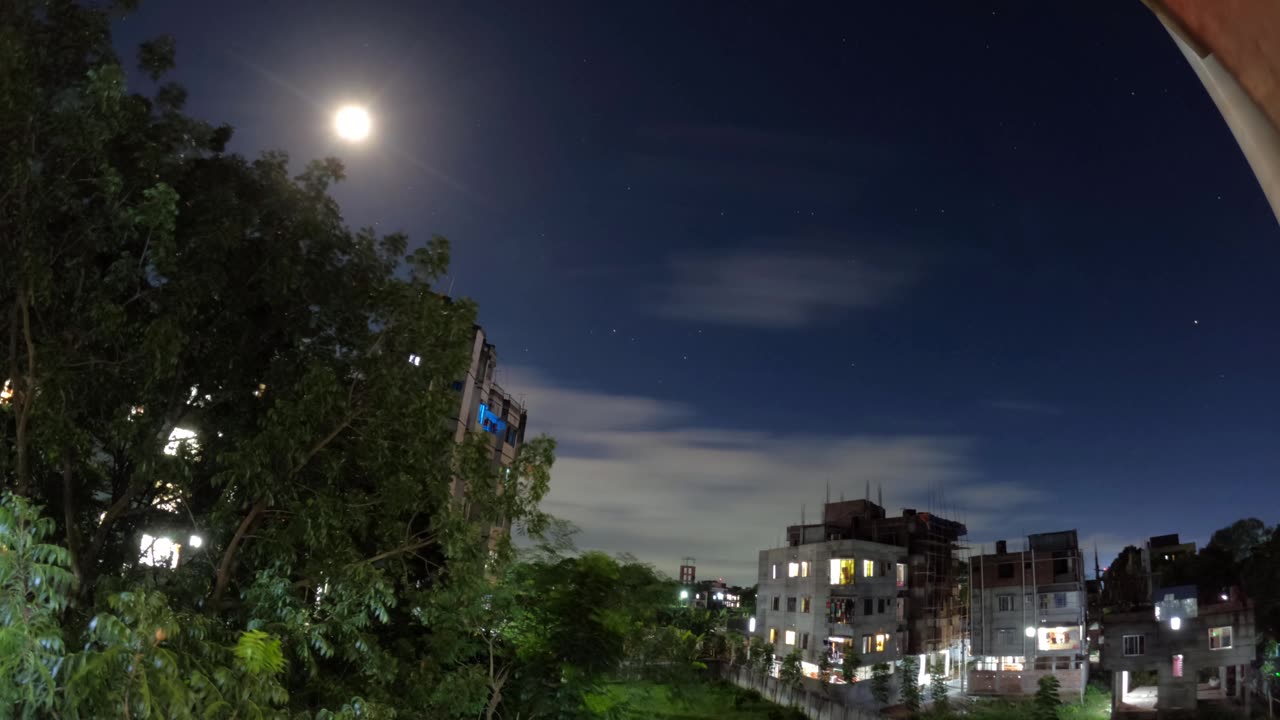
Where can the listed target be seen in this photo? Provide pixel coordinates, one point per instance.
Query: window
(882, 639)
(1135, 645)
(1006, 636)
(1004, 570)
(789, 637)
(901, 612)
(1220, 638)
(866, 606)
(902, 574)
(842, 570)
(777, 601)
(793, 569)
(868, 568)
(1059, 600)
(773, 635)
(804, 568)
(804, 604)
(804, 641)
(791, 604)
(880, 606)
(1044, 602)
(866, 644)
(511, 435)
(774, 575)
(1177, 666)
(1062, 566)
(884, 569)
(1004, 603)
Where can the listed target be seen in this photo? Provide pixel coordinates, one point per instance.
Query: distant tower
(688, 572)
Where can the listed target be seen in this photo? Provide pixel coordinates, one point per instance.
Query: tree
(1047, 700)
(156, 283)
(849, 669)
(910, 688)
(790, 674)
(824, 672)
(938, 685)
(880, 678)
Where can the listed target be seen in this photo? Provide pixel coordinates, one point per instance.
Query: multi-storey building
(1027, 615)
(1200, 650)
(485, 407)
(861, 583)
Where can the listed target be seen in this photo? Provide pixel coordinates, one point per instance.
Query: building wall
(881, 590)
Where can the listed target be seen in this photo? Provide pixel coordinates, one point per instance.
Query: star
(1195, 322)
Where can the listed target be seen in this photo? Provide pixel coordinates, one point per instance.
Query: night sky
(1004, 260)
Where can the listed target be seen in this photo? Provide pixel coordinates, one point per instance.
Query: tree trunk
(229, 555)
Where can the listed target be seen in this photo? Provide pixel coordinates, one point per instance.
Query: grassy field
(695, 701)
(1096, 706)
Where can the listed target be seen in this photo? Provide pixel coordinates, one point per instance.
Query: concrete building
(835, 597)
(863, 583)
(1196, 649)
(1027, 616)
(485, 407)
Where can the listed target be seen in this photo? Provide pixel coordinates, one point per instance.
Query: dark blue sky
(1004, 259)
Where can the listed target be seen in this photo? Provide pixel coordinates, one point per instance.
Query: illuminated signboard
(1058, 638)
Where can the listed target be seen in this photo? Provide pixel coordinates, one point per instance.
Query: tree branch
(223, 579)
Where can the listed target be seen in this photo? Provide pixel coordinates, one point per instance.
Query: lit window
(1220, 638)
(866, 644)
(804, 604)
(1135, 645)
(775, 571)
(180, 437)
(902, 574)
(773, 635)
(804, 569)
(751, 624)
(842, 571)
(415, 360)
(793, 569)
(158, 551)
(789, 637)
(882, 639)
(1177, 666)
(868, 568)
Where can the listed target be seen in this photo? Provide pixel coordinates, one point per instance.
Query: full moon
(352, 123)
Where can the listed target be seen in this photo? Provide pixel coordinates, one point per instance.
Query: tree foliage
(911, 695)
(880, 679)
(156, 283)
(938, 685)
(1047, 700)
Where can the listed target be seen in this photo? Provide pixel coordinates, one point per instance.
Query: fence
(809, 698)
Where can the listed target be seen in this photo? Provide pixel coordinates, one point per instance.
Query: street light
(1031, 632)
(1175, 623)
(684, 594)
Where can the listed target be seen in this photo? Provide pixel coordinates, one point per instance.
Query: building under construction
(933, 611)
(861, 583)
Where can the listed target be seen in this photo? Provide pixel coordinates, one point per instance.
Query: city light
(195, 541)
(1031, 632)
(684, 594)
(751, 624)
(1175, 623)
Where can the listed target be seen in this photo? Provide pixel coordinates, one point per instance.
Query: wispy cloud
(1022, 406)
(778, 289)
(640, 475)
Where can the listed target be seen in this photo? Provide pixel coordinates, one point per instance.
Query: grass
(694, 701)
